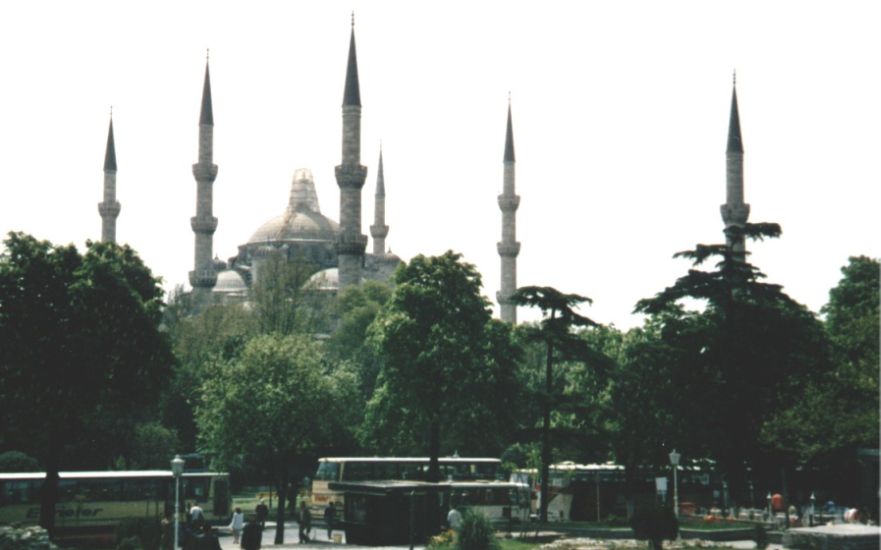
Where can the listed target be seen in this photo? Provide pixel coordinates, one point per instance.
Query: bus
(337, 469)
(91, 503)
(500, 501)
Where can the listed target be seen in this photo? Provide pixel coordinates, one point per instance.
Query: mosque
(338, 250)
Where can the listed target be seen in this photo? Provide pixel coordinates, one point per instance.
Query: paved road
(291, 538)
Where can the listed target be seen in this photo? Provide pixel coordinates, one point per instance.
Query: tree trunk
(546, 434)
(434, 450)
(281, 489)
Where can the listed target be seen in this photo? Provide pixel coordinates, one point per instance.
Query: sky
(620, 114)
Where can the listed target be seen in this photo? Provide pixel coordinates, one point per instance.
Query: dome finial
(207, 55)
(734, 78)
(111, 112)
(353, 19)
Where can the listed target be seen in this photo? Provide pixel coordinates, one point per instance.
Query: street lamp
(770, 515)
(177, 468)
(813, 509)
(674, 461)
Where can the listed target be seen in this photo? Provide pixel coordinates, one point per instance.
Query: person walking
(236, 524)
(454, 519)
(251, 534)
(262, 512)
(304, 521)
(330, 519)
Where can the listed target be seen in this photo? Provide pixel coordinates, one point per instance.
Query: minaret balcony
(349, 244)
(109, 209)
(504, 299)
(509, 203)
(350, 176)
(204, 172)
(734, 213)
(203, 278)
(203, 225)
(379, 231)
(508, 249)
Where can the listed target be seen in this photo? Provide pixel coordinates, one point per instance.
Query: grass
(504, 544)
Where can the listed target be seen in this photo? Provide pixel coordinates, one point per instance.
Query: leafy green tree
(153, 443)
(281, 301)
(17, 461)
(555, 329)
(273, 407)
(838, 412)
(441, 361)
(748, 354)
(215, 334)
(79, 342)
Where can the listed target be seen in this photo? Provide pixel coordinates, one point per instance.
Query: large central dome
(302, 220)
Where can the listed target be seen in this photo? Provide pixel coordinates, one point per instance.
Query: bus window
(328, 471)
(221, 497)
(100, 489)
(358, 471)
(385, 470)
(140, 489)
(17, 492)
(196, 488)
(68, 489)
(410, 470)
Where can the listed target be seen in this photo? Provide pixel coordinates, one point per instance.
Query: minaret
(734, 212)
(203, 277)
(350, 176)
(110, 207)
(379, 230)
(508, 248)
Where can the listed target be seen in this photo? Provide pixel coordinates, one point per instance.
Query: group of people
(304, 520)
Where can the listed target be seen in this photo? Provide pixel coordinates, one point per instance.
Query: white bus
(335, 469)
(96, 502)
(499, 501)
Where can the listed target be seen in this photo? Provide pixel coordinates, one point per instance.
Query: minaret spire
(508, 248)
(203, 277)
(350, 176)
(379, 230)
(110, 207)
(735, 212)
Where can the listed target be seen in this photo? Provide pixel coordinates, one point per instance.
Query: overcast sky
(620, 115)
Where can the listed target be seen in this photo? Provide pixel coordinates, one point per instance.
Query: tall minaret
(508, 248)
(350, 176)
(734, 212)
(379, 230)
(203, 277)
(110, 207)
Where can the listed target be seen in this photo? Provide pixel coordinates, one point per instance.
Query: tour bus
(95, 502)
(336, 469)
(499, 501)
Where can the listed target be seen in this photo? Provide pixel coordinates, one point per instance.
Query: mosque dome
(324, 280)
(230, 281)
(302, 220)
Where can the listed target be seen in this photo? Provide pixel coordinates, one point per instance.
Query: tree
(79, 346)
(437, 377)
(271, 408)
(745, 356)
(555, 330)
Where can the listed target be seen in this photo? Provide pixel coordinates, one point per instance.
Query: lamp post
(770, 515)
(674, 461)
(813, 509)
(177, 468)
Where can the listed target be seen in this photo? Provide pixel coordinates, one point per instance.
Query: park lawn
(504, 544)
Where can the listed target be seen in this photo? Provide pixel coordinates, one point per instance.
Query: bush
(16, 461)
(25, 538)
(654, 523)
(136, 534)
(477, 533)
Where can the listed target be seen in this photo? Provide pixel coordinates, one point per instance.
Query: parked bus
(499, 501)
(336, 469)
(96, 502)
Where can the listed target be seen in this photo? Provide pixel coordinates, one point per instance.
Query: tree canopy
(81, 355)
(440, 356)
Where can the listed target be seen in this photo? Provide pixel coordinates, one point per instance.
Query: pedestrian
(197, 516)
(304, 521)
(207, 540)
(251, 534)
(454, 518)
(236, 524)
(262, 512)
(166, 533)
(329, 518)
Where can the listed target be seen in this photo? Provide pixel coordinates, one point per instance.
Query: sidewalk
(319, 539)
